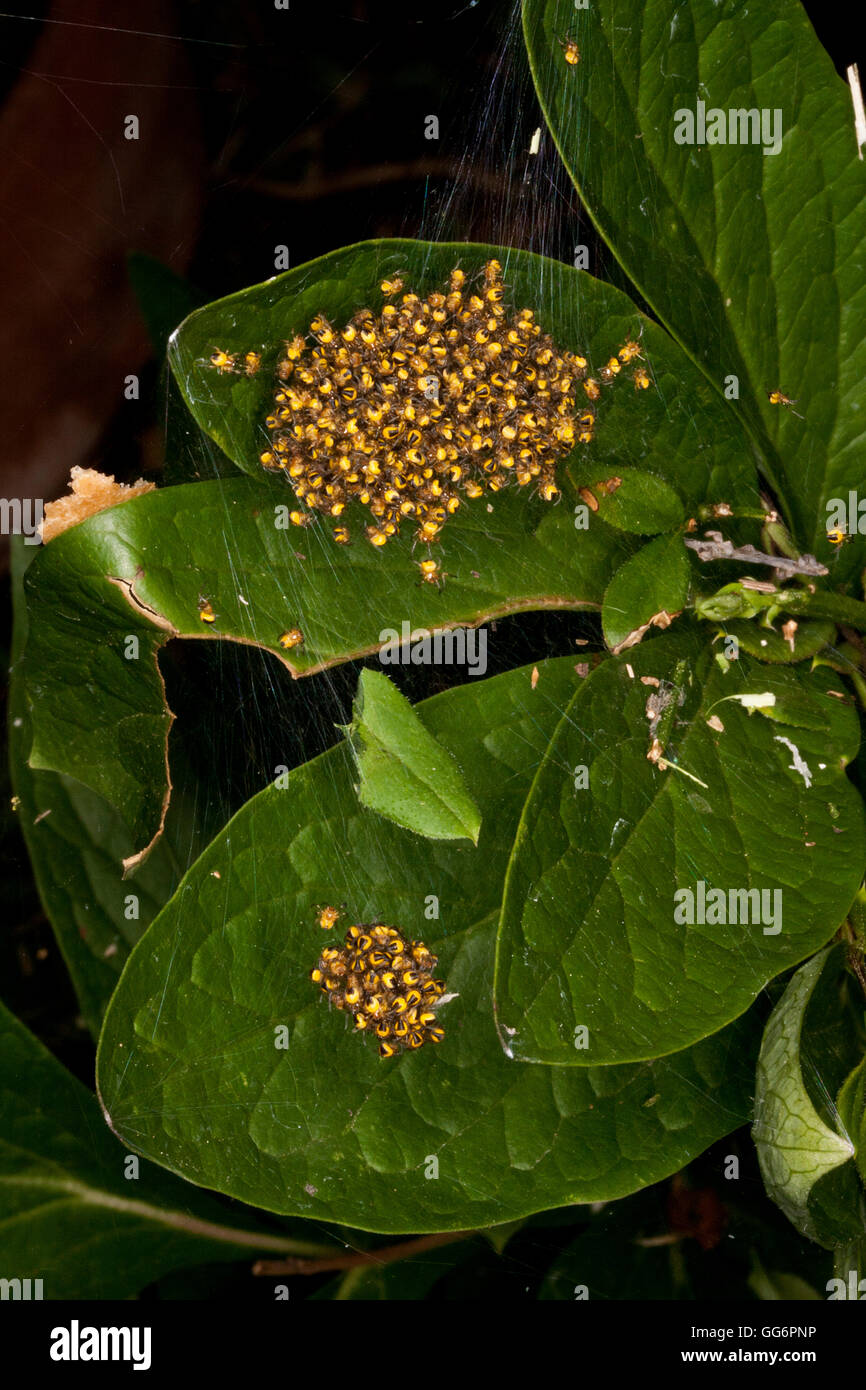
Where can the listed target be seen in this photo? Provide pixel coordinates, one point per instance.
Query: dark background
(260, 127)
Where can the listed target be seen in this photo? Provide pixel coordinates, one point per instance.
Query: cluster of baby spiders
(385, 982)
(431, 399)
(428, 402)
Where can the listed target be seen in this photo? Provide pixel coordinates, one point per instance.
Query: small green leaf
(795, 1147)
(642, 503)
(769, 644)
(405, 774)
(650, 588)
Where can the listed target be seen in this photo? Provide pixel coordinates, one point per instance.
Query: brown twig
(715, 547)
(386, 1255)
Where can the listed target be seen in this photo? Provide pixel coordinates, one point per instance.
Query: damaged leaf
(649, 590)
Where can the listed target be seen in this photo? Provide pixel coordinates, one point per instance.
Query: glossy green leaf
(188, 1067)
(769, 644)
(592, 964)
(95, 698)
(753, 254)
(641, 503)
(661, 432)
(405, 774)
(71, 1215)
(796, 1148)
(651, 587)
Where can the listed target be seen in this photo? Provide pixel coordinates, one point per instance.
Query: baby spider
(224, 361)
(570, 52)
(837, 536)
(629, 351)
(205, 611)
(291, 639)
(431, 573)
(778, 398)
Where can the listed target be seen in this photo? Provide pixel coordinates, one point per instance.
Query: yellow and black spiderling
(224, 361)
(386, 983)
(425, 404)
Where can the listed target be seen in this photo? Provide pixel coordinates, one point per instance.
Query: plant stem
(850, 1257)
(386, 1255)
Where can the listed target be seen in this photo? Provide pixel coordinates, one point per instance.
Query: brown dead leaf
(661, 620)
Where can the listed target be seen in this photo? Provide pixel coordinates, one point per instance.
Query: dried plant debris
(715, 547)
(91, 492)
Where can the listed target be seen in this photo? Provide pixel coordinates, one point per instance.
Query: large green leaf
(662, 432)
(72, 1214)
(592, 965)
(756, 261)
(188, 1068)
(806, 1150)
(100, 716)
